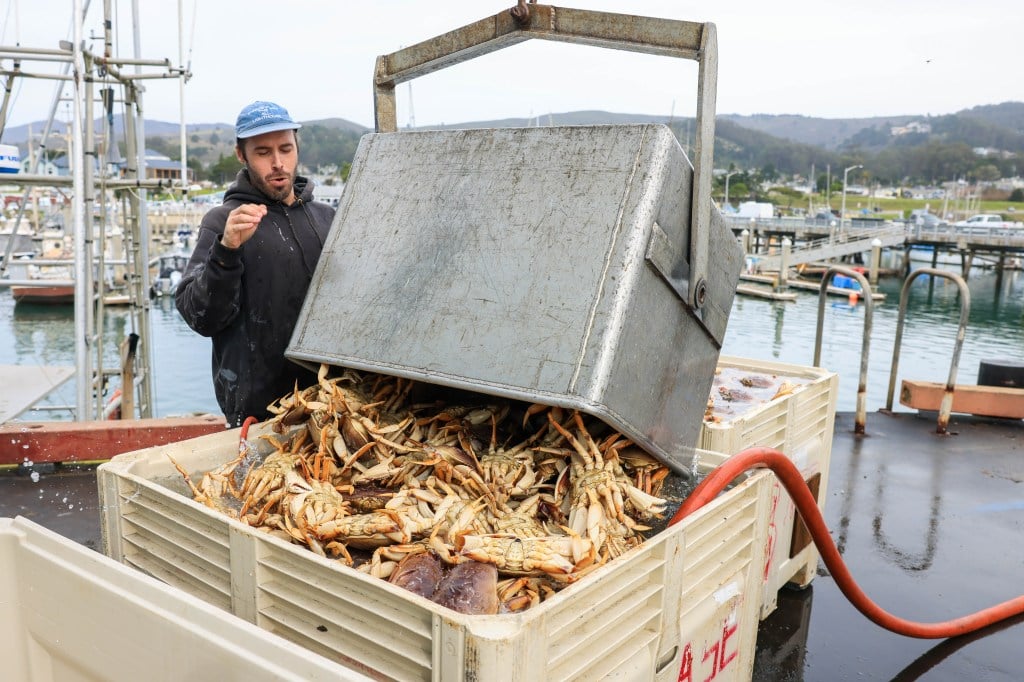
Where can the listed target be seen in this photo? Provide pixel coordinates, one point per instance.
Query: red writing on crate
(773, 531)
(716, 656)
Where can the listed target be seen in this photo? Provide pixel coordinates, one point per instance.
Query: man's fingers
(241, 223)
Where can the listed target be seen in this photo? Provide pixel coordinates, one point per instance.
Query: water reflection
(994, 331)
(758, 329)
(927, 661)
(44, 335)
(908, 561)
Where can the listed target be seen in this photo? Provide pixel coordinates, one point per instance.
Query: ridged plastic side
(69, 613)
(800, 425)
(693, 582)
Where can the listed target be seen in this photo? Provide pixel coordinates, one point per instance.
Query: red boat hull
(43, 294)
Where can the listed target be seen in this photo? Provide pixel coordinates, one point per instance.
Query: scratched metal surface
(514, 262)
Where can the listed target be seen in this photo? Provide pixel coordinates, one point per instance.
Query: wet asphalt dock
(932, 528)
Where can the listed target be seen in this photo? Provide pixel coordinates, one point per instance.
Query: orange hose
(244, 434)
(795, 485)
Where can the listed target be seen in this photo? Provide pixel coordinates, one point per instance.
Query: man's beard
(272, 192)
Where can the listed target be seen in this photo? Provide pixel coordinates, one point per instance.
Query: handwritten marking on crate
(715, 656)
(773, 530)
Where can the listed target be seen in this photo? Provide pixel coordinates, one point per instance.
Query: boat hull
(44, 294)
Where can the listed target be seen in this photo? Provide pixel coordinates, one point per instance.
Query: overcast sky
(851, 59)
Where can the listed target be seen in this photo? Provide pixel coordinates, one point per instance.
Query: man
(253, 262)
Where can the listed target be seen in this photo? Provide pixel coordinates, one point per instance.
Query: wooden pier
(772, 243)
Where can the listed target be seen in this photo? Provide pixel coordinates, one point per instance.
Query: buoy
(113, 407)
(853, 298)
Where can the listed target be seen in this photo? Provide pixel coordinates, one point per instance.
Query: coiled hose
(794, 484)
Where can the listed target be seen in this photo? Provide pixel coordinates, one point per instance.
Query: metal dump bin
(584, 267)
(540, 264)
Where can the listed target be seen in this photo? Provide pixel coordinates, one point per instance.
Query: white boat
(170, 265)
(10, 159)
(170, 268)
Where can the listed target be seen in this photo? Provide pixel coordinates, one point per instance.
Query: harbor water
(758, 329)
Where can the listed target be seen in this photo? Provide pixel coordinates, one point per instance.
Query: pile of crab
(485, 508)
(736, 391)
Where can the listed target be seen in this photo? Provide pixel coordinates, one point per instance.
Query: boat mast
(83, 296)
(107, 69)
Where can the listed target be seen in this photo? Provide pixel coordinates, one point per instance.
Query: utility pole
(828, 186)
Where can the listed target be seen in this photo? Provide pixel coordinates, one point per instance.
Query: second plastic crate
(799, 424)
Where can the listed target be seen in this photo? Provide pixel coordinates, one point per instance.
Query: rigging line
(192, 36)
(7, 22)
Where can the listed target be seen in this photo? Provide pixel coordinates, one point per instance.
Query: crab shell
(552, 554)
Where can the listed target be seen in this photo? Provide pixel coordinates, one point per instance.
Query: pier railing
(815, 240)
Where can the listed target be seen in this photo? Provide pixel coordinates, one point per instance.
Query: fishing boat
(43, 294)
(49, 278)
(170, 265)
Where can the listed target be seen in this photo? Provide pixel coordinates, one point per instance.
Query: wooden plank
(22, 386)
(831, 290)
(761, 292)
(96, 440)
(987, 401)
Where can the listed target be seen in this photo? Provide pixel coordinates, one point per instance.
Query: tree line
(211, 156)
(911, 159)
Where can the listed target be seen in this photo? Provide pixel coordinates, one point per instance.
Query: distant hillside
(999, 126)
(828, 133)
(341, 124)
(894, 148)
(19, 134)
(1006, 115)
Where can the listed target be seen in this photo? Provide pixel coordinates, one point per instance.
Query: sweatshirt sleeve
(208, 296)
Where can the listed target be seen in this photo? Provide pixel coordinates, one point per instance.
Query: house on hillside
(44, 168)
(912, 127)
(329, 194)
(162, 167)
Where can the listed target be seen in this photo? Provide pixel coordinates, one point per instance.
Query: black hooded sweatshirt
(248, 299)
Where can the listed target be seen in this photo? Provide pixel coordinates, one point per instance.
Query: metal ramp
(831, 247)
(23, 386)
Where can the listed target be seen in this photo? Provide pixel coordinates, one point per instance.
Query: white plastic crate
(690, 595)
(69, 613)
(800, 425)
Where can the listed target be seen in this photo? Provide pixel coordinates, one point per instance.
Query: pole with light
(727, 176)
(842, 211)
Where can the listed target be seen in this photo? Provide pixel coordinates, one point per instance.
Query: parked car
(927, 220)
(986, 220)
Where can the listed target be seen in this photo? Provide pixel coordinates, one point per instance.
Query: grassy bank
(893, 207)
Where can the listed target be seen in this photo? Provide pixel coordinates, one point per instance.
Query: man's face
(272, 158)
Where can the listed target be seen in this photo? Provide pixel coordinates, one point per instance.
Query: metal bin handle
(649, 35)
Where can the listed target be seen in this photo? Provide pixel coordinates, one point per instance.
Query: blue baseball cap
(263, 117)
